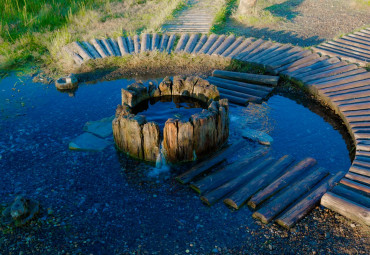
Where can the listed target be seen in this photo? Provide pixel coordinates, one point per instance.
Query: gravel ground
(308, 22)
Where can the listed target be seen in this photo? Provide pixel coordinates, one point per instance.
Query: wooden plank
(249, 49)
(123, 45)
(248, 78)
(248, 173)
(77, 58)
(352, 195)
(137, 44)
(353, 44)
(342, 55)
(328, 73)
(228, 172)
(346, 50)
(224, 45)
(191, 43)
(298, 62)
(99, 48)
(156, 38)
(107, 46)
(355, 113)
(354, 39)
(320, 70)
(281, 50)
(248, 97)
(235, 100)
(233, 46)
(354, 75)
(241, 47)
(348, 47)
(352, 97)
(358, 178)
(298, 211)
(164, 43)
(200, 44)
(262, 47)
(217, 158)
(356, 185)
(184, 38)
(289, 177)
(130, 44)
(291, 59)
(346, 207)
(303, 67)
(115, 47)
(145, 42)
(281, 56)
(250, 187)
(279, 203)
(82, 52)
(207, 45)
(91, 50)
(170, 44)
(345, 86)
(217, 43)
(265, 52)
(261, 88)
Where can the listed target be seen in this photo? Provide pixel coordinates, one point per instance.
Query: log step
(247, 77)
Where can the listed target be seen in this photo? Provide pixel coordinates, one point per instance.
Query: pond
(104, 202)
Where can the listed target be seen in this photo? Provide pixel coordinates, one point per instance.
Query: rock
(88, 142)
(101, 128)
(165, 87)
(21, 211)
(66, 83)
(204, 91)
(180, 87)
(257, 136)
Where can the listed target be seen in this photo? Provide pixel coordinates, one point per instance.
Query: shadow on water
(285, 9)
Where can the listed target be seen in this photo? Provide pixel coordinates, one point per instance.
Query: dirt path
(197, 17)
(303, 22)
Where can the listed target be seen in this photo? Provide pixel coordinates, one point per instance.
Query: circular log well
(183, 140)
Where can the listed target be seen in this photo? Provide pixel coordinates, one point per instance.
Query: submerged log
(282, 182)
(207, 164)
(227, 173)
(347, 208)
(291, 194)
(248, 173)
(237, 199)
(303, 207)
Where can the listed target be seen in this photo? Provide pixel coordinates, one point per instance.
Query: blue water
(106, 203)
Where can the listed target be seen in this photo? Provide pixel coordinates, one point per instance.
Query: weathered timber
(91, 50)
(123, 45)
(254, 86)
(115, 47)
(164, 42)
(292, 70)
(107, 46)
(77, 58)
(219, 157)
(170, 44)
(247, 97)
(321, 69)
(207, 45)
(356, 185)
(352, 195)
(240, 48)
(137, 44)
(283, 181)
(295, 213)
(342, 55)
(99, 48)
(130, 44)
(145, 42)
(265, 52)
(224, 45)
(358, 177)
(156, 38)
(291, 59)
(324, 61)
(243, 89)
(289, 195)
(234, 99)
(347, 208)
(248, 49)
(182, 43)
(298, 62)
(331, 72)
(238, 198)
(227, 173)
(279, 51)
(233, 46)
(191, 43)
(351, 76)
(347, 46)
(282, 55)
(249, 172)
(82, 52)
(200, 44)
(262, 47)
(247, 77)
(346, 86)
(216, 44)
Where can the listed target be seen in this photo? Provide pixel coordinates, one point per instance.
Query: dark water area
(163, 108)
(106, 203)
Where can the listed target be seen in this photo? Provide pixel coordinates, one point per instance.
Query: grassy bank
(33, 32)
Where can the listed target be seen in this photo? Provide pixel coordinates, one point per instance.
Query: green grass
(222, 15)
(33, 32)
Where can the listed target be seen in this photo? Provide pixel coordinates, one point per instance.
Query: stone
(67, 83)
(21, 211)
(153, 90)
(88, 142)
(257, 136)
(180, 87)
(204, 91)
(165, 87)
(101, 128)
(151, 143)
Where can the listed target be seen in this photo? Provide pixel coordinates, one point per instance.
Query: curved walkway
(342, 86)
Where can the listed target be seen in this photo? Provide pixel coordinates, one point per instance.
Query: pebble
(215, 250)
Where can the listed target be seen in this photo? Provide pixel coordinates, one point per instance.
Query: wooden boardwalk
(341, 85)
(197, 18)
(353, 47)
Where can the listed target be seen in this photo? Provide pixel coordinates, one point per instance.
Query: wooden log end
(180, 180)
(260, 217)
(284, 224)
(205, 200)
(196, 188)
(252, 205)
(231, 203)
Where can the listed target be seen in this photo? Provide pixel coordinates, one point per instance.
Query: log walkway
(337, 83)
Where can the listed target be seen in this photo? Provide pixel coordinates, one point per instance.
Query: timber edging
(342, 86)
